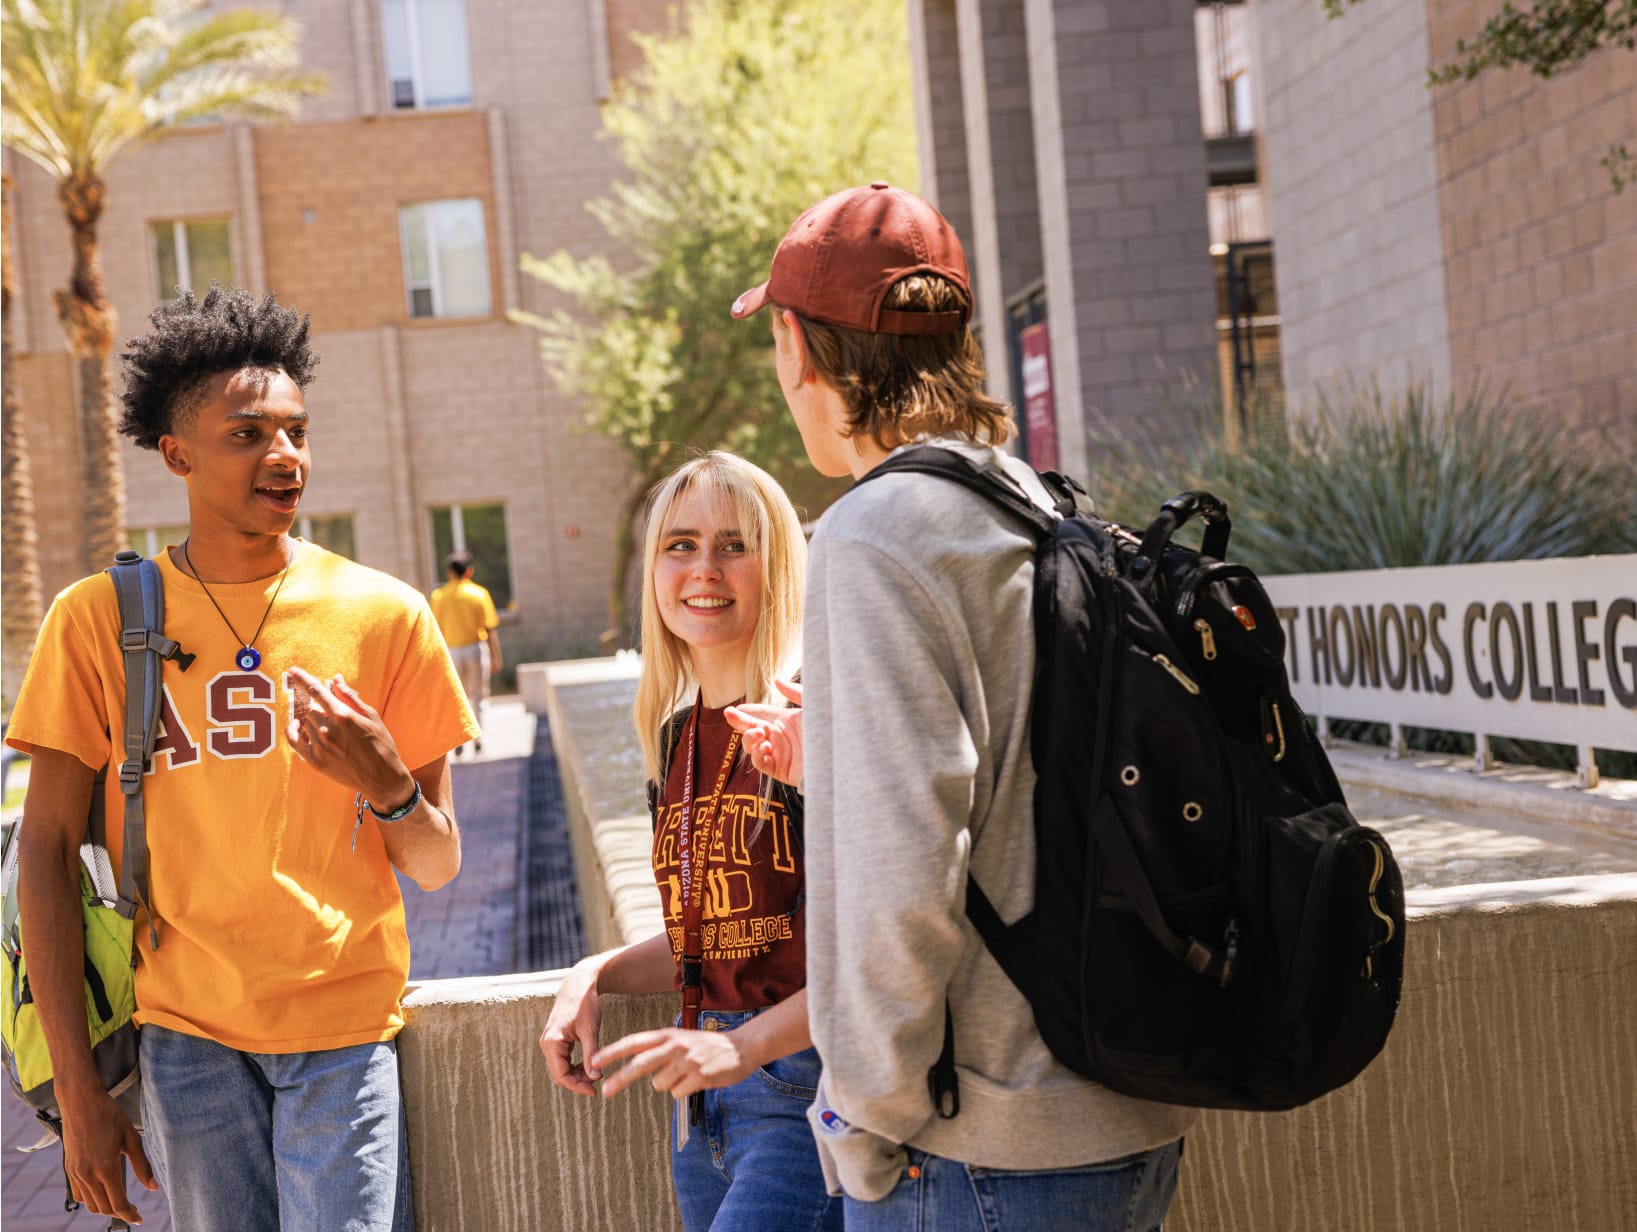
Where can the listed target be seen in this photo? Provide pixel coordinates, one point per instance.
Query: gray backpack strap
(142, 620)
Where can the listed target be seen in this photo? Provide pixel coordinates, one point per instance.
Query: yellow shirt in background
(274, 934)
(465, 612)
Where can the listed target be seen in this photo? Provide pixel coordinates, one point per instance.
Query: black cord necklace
(248, 658)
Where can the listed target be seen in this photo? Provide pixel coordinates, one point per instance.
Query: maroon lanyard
(694, 850)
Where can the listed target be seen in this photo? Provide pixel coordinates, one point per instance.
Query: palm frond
(82, 79)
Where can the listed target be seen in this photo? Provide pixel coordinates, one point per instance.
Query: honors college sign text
(1539, 650)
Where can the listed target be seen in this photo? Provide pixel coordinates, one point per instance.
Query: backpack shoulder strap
(989, 481)
(142, 620)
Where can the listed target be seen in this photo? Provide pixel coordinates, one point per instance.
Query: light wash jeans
(266, 1142)
(940, 1195)
(751, 1166)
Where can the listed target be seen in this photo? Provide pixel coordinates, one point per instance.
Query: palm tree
(20, 614)
(83, 80)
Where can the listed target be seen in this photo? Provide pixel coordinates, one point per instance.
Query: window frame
(434, 286)
(184, 258)
(417, 63)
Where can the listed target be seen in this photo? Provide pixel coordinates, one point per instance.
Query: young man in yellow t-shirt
(466, 615)
(300, 759)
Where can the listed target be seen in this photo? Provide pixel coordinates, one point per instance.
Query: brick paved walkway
(488, 921)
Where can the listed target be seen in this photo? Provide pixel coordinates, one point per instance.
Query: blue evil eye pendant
(249, 659)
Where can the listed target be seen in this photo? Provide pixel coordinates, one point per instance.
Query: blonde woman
(724, 560)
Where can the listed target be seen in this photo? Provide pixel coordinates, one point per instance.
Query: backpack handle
(1173, 515)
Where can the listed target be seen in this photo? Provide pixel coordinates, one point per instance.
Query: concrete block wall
(1540, 253)
(1352, 182)
(1130, 207)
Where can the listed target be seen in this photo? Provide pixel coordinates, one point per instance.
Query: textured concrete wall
(1503, 1099)
(496, 1147)
(1352, 184)
(1540, 253)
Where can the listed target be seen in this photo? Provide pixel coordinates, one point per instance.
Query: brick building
(1462, 233)
(455, 135)
(1257, 195)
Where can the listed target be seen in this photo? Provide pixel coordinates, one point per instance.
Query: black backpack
(1211, 925)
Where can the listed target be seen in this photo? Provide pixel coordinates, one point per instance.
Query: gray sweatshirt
(918, 660)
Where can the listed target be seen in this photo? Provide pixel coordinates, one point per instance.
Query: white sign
(1537, 650)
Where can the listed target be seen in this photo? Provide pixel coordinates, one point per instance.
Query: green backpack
(109, 910)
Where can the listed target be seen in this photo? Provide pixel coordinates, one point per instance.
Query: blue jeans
(298, 1142)
(941, 1195)
(751, 1163)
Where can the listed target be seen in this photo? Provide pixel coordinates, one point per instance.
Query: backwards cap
(840, 258)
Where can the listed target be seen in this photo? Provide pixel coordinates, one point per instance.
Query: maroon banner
(1039, 412)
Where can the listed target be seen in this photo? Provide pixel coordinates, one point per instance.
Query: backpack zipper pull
(1207, 639)
(1177, 674)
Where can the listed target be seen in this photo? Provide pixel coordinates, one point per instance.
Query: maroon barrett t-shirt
(752, 933)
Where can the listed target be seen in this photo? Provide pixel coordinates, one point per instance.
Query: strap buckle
(130, 776)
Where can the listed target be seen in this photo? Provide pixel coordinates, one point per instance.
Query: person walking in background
(721, 619)
(297, 765)
(919, 662)
(466, 616)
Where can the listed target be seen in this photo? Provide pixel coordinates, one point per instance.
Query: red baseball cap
(839, 259)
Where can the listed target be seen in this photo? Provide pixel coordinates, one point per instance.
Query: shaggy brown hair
(898, 387)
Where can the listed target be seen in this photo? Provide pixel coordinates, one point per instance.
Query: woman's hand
(576, 1016)
(675, 1060)
(773, 735)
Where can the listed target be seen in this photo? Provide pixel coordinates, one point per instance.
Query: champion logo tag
(831, 1120)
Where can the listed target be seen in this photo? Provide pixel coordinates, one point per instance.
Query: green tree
(737, 121)
(1547, 37)
(19, 543)
(80, 82)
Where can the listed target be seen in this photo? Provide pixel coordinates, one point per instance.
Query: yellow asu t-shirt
(465, 612)
(275, 935)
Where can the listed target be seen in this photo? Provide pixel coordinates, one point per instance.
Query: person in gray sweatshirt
(913, 751)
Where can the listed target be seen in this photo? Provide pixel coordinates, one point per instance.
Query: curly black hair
(194, 339)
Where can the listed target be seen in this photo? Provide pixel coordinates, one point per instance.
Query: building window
(152, 540)
(428, 64)
(190, 255)
(446, 258)
(332, 531)
(480, 530)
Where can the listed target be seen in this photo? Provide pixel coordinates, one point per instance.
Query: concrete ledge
(1544, 795)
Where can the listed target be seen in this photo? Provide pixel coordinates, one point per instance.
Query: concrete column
(939, 111)
(983, 240)
(1051, 187)
(413, 549)
(252, 255)
(368, 56)
(505, 221)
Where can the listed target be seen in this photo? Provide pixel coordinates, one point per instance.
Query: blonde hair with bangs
(769, 524)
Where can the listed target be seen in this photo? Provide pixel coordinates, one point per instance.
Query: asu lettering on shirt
(244, 721)
(752, 932)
